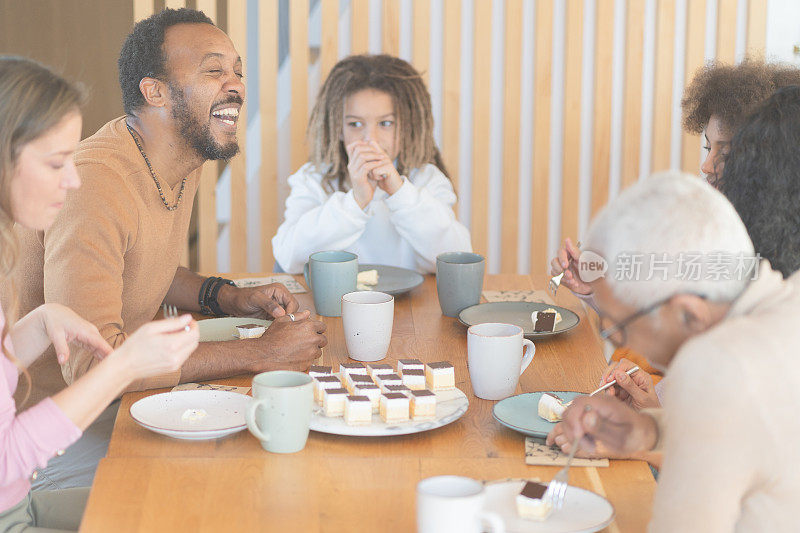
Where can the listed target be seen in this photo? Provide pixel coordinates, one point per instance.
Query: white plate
(224, 329)
(450, 406)
(162, 413)
(583, 511)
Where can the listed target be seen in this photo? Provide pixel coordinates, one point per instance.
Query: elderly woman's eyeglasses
(616, 333)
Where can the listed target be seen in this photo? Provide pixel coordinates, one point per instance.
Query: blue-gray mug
(330, 275)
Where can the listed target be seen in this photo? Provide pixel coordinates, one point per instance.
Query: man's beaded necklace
(153, 174)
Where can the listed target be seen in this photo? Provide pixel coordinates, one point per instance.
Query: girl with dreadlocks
(376, 184)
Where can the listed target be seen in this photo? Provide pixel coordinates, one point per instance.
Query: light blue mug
(331, 275)
(280, 413)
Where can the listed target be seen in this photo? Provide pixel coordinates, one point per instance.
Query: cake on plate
(411, 364)
(440, 376)
(357, 411)
(379, 369)
(551, 407)
(530, 503)
(394, 407)
(545, 321)
(317, 371)
(414, 379)
(322, 383)
(333, 401)
(371, 391)
(250, 331)
(423, 405)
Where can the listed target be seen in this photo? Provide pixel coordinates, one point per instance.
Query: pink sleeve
(30, 439)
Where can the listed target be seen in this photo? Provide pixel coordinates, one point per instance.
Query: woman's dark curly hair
(732, 91)
(762, 178)
(142, 54)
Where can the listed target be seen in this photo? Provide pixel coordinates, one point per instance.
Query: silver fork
(557, 488)
(170, 311)
(555, 281)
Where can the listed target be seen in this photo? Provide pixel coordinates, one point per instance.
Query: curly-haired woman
(762, 178)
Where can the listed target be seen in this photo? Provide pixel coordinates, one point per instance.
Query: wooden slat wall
(634, 56)
(422, 36)
(572, 119)
(541, 134)
(756, 27)
(662, 100)
(482, 38)
(268, 101)
(695, 42)
(329, 53)
(298, 50)
(452, 88)
(237, 31)
(604, 56)
(601, 88)
(206, 202)
(391, 27)
(511, 100)
(726, 30)
(359, 25)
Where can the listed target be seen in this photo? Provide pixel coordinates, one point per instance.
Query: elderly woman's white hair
(669, 234)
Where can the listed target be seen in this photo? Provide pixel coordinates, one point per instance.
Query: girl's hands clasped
(370, 167)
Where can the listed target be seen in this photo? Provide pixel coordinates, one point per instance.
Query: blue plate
(520, 412)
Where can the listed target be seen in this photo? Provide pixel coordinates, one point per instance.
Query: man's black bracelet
(212, 300)
(207, 297)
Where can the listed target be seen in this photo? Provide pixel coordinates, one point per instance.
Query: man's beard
(198, 133)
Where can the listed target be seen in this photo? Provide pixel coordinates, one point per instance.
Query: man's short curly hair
(762, 178)
(142, 54)
(731, 91)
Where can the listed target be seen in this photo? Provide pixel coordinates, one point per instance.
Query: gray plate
(394, 280)
(519, 314)
(520, 412)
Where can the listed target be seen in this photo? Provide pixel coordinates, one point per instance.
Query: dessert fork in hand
(557, 488)
(555, 281)
(170, 311)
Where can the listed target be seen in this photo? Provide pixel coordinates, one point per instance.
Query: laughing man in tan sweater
(113, 254)
(726, 329)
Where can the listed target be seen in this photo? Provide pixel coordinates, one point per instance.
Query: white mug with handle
(454, 504)
(497, 355)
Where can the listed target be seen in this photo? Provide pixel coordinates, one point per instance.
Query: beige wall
(79, 39)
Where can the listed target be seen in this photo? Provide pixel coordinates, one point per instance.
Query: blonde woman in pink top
(40, 126)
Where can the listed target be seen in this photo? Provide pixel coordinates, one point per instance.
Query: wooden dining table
(152, 483)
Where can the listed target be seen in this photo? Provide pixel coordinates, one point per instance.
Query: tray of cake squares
(376, 399)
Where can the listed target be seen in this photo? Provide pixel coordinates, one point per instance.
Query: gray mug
(280, 413)
(459, 280)
(331, 275)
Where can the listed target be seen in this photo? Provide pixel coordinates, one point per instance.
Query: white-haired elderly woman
(728, 340)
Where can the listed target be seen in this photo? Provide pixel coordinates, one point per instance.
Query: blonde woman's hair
(33, 99)
(412, 108)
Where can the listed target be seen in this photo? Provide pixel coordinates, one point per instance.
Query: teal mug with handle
(330, 275)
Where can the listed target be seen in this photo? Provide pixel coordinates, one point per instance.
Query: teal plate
(520, 412)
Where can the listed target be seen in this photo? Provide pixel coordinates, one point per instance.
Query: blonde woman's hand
(159, 347)
(63, 327)
(566, 261)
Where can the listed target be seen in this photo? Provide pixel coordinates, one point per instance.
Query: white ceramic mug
(497, 355)
(453, 504)
(367, 319)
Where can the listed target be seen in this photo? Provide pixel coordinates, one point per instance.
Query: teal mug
(331, 275)
(280, 413)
